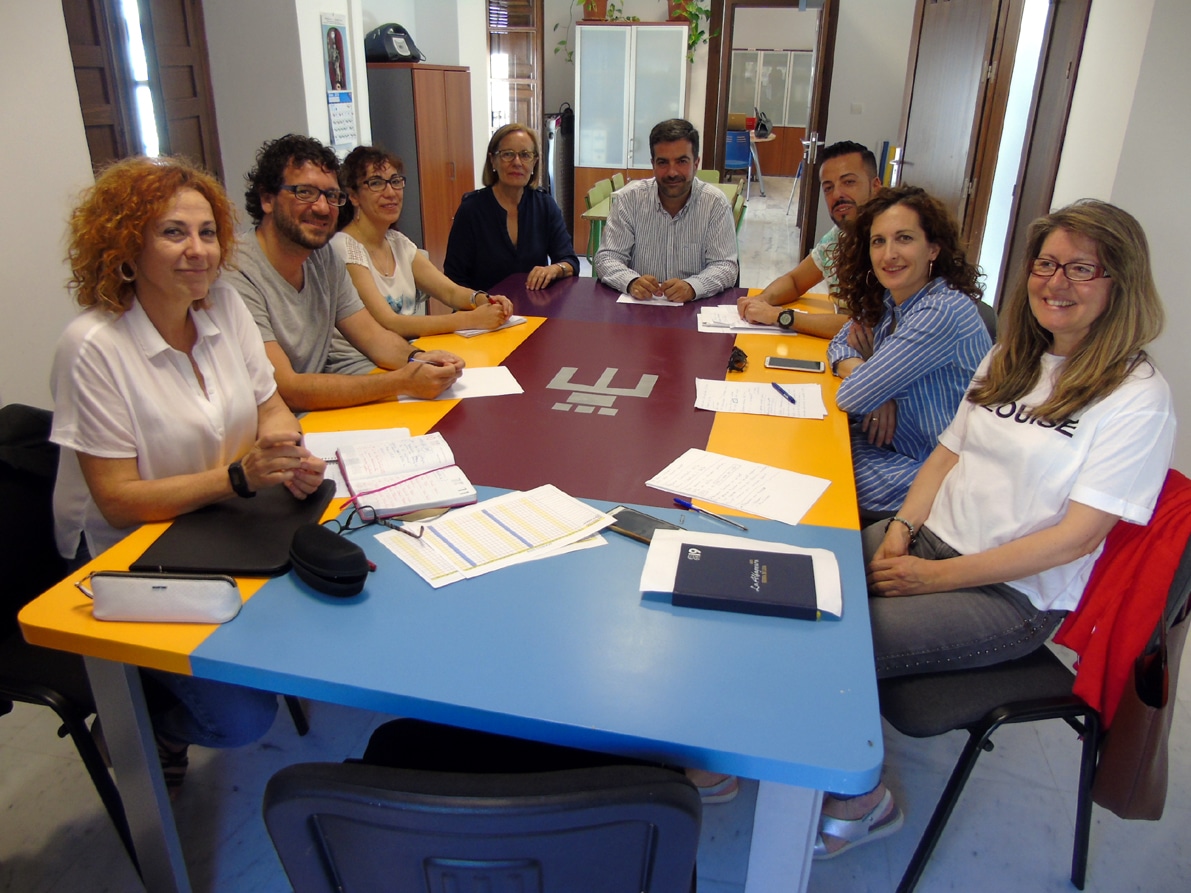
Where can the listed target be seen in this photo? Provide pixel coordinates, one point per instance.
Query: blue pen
(777, 387)
(686, 504)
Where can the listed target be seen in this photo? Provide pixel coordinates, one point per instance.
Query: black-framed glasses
(738, 360)
(303, 192)
(1076, 271)
(507, 155)
(362, 516)
(378, 184)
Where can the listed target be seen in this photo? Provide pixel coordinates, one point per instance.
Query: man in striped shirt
(673, 235)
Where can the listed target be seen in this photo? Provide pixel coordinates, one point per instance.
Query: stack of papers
(652, 302)
(757, 398)
(496, 533)
(739, 484)
(726, 318)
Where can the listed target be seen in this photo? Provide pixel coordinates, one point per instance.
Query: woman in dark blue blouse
(510, 226)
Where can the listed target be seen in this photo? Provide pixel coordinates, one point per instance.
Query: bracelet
(901, 520)
(413, 353)
(475, 294)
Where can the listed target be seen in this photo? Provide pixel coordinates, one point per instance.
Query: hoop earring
(868, 278)
(127, 271)
(930, 270)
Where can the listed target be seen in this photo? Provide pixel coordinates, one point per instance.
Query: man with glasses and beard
(671, 236)
(300, 293)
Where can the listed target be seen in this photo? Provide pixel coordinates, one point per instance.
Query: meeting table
(568, 649)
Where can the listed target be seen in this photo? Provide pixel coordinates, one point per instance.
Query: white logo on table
(597, 397)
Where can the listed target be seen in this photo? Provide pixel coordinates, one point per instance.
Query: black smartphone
(795, 365)
(637, 525)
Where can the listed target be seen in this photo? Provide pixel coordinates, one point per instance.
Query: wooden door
(176, 47)
(816, 127)
(442, 105)
(951, 73)
(101, 74)
(462, 173)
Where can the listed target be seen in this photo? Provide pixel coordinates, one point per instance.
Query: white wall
(872, 51)
(1104, 91)
(45, 153)
(775, 29)
(1152, 183)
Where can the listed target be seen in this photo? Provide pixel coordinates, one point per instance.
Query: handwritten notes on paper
(757, 398)
(736, 483)
(726, 318)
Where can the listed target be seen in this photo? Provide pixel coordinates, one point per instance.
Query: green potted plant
(593, 11)
(699, 19)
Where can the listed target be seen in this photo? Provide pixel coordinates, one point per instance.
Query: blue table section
(568, 650)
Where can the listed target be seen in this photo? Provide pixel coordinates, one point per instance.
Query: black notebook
(747, 581)
(241, 537)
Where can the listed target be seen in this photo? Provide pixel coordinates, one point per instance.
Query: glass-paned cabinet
(778, 82)
(629, 77)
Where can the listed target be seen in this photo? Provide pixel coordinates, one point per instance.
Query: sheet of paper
(325, 444)
(661, 563)
(478, 381)
(758, 398)
(496, 533)
(726, 318)
(508, 324)
(736, 483)
(652, 302)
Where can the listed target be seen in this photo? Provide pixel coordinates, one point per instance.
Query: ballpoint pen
(777, 387)
(686, 504)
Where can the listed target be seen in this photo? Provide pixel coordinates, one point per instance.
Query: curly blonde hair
(107, 229)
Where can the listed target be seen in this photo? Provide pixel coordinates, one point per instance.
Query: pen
(686, 504)
(777, 387)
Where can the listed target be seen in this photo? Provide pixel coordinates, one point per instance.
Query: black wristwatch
(235, 473)
(785, 319)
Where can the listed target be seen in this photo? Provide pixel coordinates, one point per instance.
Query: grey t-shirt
(301, 322)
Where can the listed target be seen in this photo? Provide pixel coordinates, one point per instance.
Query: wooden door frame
(1050, 107)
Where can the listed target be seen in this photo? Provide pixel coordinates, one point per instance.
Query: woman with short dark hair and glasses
(1066, 429)
(393, 278)
(510, 226)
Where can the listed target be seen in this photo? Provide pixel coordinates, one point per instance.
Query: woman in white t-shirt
(1066, 429)
(164, 402)
(393, 278)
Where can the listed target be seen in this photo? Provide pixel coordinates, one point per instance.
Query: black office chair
(592, 829)
(1033, 688)
(29, 674)
(988, 316)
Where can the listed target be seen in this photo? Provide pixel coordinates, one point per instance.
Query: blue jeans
(206, 712)
(958, 630)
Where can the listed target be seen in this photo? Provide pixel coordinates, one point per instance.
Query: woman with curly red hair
(164, 400)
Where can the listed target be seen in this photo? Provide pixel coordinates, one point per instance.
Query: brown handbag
(1131, 775)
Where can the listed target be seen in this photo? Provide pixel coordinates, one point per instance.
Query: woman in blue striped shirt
(914, 340)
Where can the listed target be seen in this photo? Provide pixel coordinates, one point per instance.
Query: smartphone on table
(794, 365)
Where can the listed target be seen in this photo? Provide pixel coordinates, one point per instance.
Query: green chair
(709, 176)
(738, 210)
(601, 191)
(617, 181)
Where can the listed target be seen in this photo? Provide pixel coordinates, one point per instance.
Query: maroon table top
(606, 406)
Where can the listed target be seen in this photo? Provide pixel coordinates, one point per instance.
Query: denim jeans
(957, 630)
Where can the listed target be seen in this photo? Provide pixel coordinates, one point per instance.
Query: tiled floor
(1011, 832)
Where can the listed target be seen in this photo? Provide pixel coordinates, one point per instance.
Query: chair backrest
(710, 175)
(738, 209)
(736, 154)
(358, 827)
(617, 181)
(988, 316)
(599, 191)
(28, 467)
